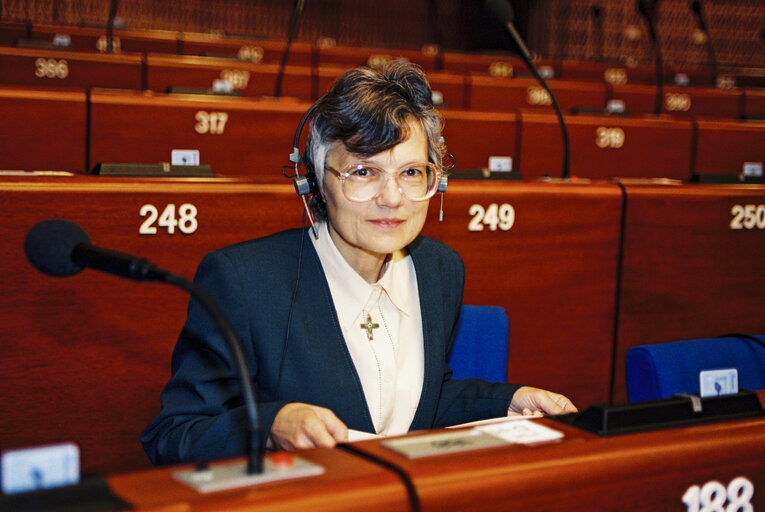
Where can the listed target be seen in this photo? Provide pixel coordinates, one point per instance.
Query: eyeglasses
(362, 182)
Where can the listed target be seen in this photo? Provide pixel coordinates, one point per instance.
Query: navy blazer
(202, 414)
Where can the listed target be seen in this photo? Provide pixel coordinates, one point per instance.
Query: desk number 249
(715, 497)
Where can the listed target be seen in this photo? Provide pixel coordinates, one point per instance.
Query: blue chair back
(480, 349)
(663, 370)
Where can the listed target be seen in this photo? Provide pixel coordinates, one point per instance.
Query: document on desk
(488, 434)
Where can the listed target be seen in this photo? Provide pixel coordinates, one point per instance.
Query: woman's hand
(298, 425)
(528, 401)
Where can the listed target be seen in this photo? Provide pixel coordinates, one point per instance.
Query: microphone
(504, 13)
(297, 12)
(648, 9)
(698, 13)
(597, 17)
(110, 26)
(61, 248)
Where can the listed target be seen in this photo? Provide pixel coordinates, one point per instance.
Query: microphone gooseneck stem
(296, 14)
(565, 174)
(254, 446)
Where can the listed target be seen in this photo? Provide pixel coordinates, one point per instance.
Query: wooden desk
(247, 78)
(606, 146)
(60, 68)
(647, 471)
(754, 103)
(724, 146)
(236, 136)
(257, 51)
(352, 56)
(349, 483)
(692, 266)
(700, 101)
(90, 39)
(553, 268)
(503, 94)
(582, 472)
(87, 356)
(42, 129)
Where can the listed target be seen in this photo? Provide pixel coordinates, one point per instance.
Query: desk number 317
(715, 497)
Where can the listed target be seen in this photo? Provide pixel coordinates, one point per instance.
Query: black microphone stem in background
(503, 12)
(698, 12)
(648, 9)
(297, 12)
(597, 18)
(110, 26)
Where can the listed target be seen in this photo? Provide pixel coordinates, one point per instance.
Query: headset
(306, 183)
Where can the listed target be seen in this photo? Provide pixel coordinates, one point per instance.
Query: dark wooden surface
(647, 471)
(21, 66)
(87, 355)
(606, 146)
(686, 274)
(42, 129)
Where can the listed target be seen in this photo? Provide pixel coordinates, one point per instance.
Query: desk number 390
(185, 221)
(495, 216)
(714, 497)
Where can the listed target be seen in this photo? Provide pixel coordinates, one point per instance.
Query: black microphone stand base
(233, 475)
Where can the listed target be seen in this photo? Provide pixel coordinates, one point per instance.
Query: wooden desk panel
(473, 137)
(236, 136)
(453, 88)
(754, 103)
(554, 271)
(701, 101)
(352, 56)
(492, 65)
(647, 471)
(59, 68)
(42, 129)
(581, 472)
(97, 348)
(686, 273)
(248, 79)
(89, 39)
(258, 51)
(348, 483)
(606, 146)
(503, 94)
(723, 147)
(87, 356)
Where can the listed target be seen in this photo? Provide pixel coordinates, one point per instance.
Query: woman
(350, 329)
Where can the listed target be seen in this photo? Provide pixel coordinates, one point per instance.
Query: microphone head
(49, 245)
(501, 10)
(696, 7)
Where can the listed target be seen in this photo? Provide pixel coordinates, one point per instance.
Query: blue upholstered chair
(480, 349)
(665, 369)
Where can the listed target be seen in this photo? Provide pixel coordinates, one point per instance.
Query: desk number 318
(714, 497)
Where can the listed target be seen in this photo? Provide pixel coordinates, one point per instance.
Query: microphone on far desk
(504, 13)
(61, 248)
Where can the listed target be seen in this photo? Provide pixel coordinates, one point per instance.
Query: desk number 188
(714, 497)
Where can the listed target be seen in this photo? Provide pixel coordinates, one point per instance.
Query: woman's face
(365, 233)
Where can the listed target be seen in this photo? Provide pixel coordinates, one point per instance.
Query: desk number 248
(715, 497)
(185, 220)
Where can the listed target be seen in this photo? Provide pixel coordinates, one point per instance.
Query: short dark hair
(369, 111)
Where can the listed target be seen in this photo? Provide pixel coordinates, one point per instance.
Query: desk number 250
(185, 221)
